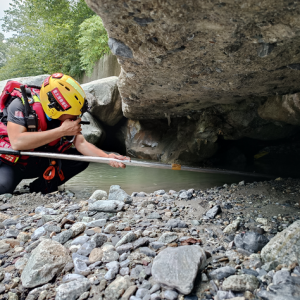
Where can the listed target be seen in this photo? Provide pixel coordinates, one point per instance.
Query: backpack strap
(30, 114)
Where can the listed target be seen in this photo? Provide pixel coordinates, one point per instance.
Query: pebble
(168, 237)
(147, 251)
(99, 195)
(4, 247)
(241, 283)
(170, 295)
(154, 215)
(250, 241)
(97, 223)
(80, 240)
(63, 237)
(129, 292)
(111, 228)
(86, 248)
(233, 227)
(77, 228)
(109, 256)
(38, 233)
(213, 212)
(222, 273)
(95, 255)
(72, 290)
(129, 237)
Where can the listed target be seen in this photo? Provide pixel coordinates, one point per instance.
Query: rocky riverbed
(232, 242)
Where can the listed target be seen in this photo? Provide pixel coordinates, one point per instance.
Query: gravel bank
(231, 242)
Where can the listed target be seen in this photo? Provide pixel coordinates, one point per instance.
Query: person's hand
(119, 157)
(70, 127)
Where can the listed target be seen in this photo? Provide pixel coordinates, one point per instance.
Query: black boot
(40, 185)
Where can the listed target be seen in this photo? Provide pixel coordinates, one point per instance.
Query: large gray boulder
(177, 268)
(107, 206)
(104, 98)
(285, 246)
(94, 132)
(46, 260)
(32, 80)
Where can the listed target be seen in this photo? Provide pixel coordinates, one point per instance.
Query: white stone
(232, 227)
(99, 194)
(262, 221)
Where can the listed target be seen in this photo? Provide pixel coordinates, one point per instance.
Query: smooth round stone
(107, 247)
(95, 255)
(18, 249)
(90, 232)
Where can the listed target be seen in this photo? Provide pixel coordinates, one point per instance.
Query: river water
(138, 179)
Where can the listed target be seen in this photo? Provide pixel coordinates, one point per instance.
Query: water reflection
(137, 179)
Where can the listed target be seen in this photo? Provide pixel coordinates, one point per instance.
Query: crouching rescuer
(44, 119)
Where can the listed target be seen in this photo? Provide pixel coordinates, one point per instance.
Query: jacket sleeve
(16, 112)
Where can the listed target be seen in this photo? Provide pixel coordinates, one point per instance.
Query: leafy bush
(93, 42)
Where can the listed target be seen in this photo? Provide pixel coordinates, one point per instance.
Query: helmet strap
(85, 107)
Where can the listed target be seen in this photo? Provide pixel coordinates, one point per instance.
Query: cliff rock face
(157, 141)
(192, 139)
(284, 108)
(178, 57)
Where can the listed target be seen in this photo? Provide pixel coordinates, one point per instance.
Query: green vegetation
(93, 42)
(49, 38)
(3, 49)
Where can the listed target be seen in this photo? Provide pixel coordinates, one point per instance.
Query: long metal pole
(139, 163)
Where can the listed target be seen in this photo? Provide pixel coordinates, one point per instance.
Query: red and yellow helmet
(61, 94)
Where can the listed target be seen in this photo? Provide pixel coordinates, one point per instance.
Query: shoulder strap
(30, 115)
(28, 109)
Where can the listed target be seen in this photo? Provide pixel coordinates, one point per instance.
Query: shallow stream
(137, 179)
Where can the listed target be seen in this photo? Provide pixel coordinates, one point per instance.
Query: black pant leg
(70, 169)
(10, 177)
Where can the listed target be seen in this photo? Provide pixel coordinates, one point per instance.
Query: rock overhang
(178, 57)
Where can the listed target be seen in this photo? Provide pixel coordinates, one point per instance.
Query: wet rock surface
(60, 246)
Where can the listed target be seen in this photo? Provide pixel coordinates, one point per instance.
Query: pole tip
(176, 167)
